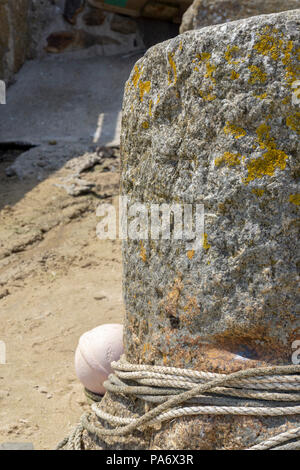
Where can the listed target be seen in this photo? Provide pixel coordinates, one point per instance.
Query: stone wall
(14, 37)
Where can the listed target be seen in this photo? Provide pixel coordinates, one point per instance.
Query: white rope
(252, 392)
(142, 371)
(279, 439)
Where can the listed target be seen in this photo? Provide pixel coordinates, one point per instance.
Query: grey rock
(86, 162)
(40, 161)
(76, 186)
(206, 12)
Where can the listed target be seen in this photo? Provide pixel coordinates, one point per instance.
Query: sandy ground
(57, 280)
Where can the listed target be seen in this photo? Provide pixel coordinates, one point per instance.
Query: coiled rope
(263, 391)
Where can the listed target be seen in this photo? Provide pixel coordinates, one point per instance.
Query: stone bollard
(212, 117)
(206, 12)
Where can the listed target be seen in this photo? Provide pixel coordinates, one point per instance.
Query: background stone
(13, 36)
(123, 24)
(94, 17)
(205, 12)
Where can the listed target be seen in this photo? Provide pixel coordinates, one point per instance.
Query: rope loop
(262, 391)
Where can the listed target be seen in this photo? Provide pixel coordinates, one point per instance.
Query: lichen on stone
(236, 131)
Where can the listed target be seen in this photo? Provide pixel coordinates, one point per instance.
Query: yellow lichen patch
(257, 75)
(293, 121)
(258, 192)
(263, 136)
(150, 108)
(146, 347)
(262, 96)
(273, 44)
(203, 56)
(295, 199)
(174, 69)
(190, 254)
(210, 68)
(234, 75)
(269, 43)
(286, 100)
(145, 87)
(272, 158)
(292, 69)
(208, 96)
(237, 132)
(136, 76)
(145, 125)
(287, 52)
(230, 53)
(180, 46)
(143, 253)
(206, 245)
(230, 159)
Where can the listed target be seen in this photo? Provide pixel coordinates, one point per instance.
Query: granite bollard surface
(212, 117)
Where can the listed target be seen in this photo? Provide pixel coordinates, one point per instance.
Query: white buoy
(96, 350)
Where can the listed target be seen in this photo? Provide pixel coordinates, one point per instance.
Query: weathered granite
(212, 117)
(206, 12)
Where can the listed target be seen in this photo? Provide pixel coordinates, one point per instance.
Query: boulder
(211, 117)
(205, 12)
